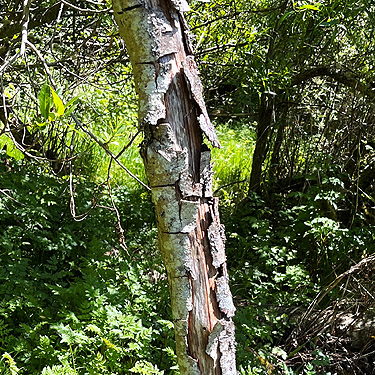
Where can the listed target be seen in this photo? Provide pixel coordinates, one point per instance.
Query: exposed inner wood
(203, 292)
(184, 122)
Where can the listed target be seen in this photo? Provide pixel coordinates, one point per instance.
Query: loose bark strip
(174, 118)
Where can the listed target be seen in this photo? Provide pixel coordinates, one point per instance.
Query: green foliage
(282, 248)
(113, 119)
(76, 303)
(59, 370)
(73, 301)
(232, 162)
(281, 251)
(10, 365)
(145, 368)
(51, 106)
(257, 46)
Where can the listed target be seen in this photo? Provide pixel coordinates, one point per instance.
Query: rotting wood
(174, 118)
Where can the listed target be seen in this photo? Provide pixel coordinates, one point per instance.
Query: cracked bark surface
(174, 118)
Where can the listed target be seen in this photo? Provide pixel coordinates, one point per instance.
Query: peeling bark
(174, 118)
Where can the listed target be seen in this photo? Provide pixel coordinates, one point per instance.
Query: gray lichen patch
(181, 297)
(228, 349)
(174, 215)
(181, 5)
(224, 296)
(216, 237)
(177, 254)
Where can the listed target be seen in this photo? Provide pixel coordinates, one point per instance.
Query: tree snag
(173, 116)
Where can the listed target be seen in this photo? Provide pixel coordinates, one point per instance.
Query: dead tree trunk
(173, 116)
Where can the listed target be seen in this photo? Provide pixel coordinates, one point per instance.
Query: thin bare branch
(25, 25)
(24, 28)
(4, 191)
(84, 9)
(41, 58)
(120, 231)
(128, 144)
(105, 148)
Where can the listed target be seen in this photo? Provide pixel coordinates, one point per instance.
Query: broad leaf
(60, 108)
(44, 98)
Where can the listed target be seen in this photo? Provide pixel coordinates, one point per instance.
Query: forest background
(290, 88)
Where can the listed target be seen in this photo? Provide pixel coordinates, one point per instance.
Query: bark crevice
(140, 5)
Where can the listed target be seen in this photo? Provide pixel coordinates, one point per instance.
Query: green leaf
(44, 98)
(69, 335)
(60, 108)
(309, 6)
(71, 105)
(11, 363)
(73, 100)
(285, 16)
(329, 23)
(145, 368)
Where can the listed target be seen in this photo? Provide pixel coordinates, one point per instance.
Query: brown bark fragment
(196, 89)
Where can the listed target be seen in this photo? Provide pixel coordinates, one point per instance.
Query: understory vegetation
(82, 285)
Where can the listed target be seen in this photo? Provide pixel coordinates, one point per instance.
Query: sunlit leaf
(51, 116)
(309, 7)
(59, 105)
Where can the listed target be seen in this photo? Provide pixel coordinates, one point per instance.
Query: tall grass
(232, 162)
